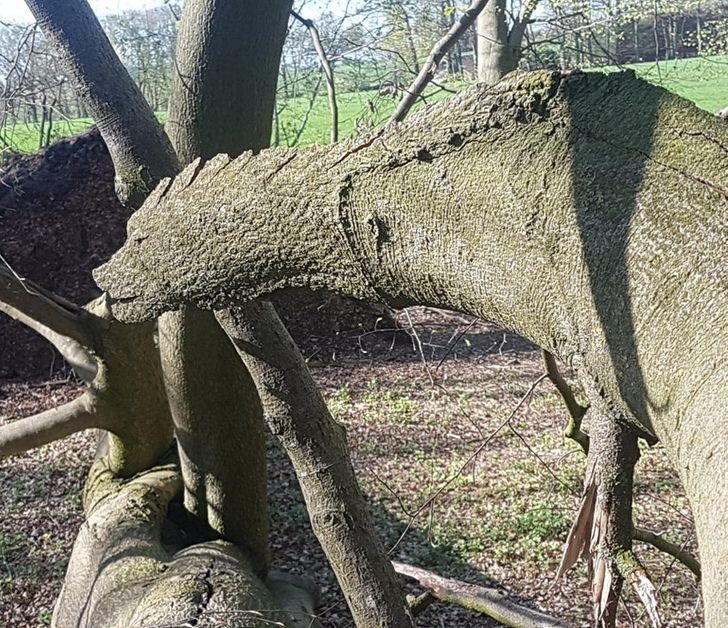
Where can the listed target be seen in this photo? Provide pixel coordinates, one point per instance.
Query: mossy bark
(587, 212)
(123, 575)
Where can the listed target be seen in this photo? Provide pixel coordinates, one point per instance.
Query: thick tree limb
(121, 574)
(226, 63)
(297, 414)
(141, 152)
(328, 73)
(40, 429)
(487, 600)
(437, 54)
(440, 211)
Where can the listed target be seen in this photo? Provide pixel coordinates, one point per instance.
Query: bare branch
(662, 544)
(64, 324)
(576, 410)
(488, 600)
(48, 426)
(328, 72)
(438, 52)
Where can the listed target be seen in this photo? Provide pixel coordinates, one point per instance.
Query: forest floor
(454, 486)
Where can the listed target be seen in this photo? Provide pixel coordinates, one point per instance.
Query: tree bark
(596, 251)
(500, 39)
(224, 86)
(124, 576)
(218, 105)
(258, 40)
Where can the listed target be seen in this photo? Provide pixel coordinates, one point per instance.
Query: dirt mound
(60, 219)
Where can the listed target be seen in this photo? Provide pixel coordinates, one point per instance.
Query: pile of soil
(60, 219)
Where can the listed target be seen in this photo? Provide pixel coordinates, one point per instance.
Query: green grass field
(703, 81)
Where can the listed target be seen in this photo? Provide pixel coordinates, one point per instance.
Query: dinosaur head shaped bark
(227, 231)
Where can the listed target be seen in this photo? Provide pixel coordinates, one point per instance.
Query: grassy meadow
(704, 80)
(302, 122)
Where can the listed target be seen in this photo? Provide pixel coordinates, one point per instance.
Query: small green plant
(11, 542)
(340, 402)
(44, 616)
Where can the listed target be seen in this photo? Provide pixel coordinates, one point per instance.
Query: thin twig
(662, 544)
(470, 459)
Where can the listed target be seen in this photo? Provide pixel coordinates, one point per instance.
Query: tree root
(121, 574)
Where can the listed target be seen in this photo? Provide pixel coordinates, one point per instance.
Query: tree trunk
(202, 122)
(140, 150)
(120, 573)
(495, 56)
(607, 250)
(220, 106)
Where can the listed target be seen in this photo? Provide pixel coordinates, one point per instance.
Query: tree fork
(122, 399)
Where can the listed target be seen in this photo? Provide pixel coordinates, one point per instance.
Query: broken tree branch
(66, 326)
(40, 429)
(603, 531)
(41, 310)
(487, 600)
(328, 73)
(437, 54)
(573, 431)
